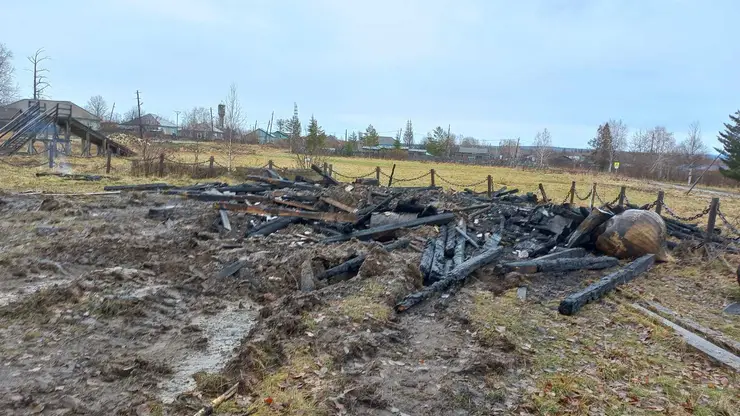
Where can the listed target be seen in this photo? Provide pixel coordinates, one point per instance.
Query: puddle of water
(225, 331)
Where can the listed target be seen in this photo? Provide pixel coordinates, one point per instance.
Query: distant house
(80, 114)
(279, 135)
(153, 123)
(386, 142)
(471, 153)
(202, 131)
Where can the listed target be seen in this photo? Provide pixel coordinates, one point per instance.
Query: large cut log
(582, 234)
(353, 265)
(438, 263)
(561, 264)
(269, 227)
(456, 276)
(281, 182)
(338, 205)
(370, 233)
(141, 187)
(427, 258)
(461, 236)
(573, 303)
(632, 234)
(329, 180)
(281, 212)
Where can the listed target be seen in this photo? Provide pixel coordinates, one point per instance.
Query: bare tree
(640, 142)
(662, 146)
(542, 147)
(197, 118)
(97, 106)
(8, 88)
(469, 141)
(131, 115)
(619, 140)
(40, 81)
(234, 120)
(509, 148)
(692, 148)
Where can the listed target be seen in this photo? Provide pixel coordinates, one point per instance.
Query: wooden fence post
(161, 165)
(659, 204)
(713, 208)
(52, 148)
(377, 174)
(544, 195)
(107, 161)
(390, 179)
(211, 172)
(331, 170)
(431, 174)
(326, 168)
(269, 164)
(622, 192)
(593, 195)
(490, 186)
(572, 192)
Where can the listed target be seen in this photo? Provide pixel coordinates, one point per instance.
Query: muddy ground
(105, 311)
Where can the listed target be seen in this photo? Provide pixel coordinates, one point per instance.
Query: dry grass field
(607, 360)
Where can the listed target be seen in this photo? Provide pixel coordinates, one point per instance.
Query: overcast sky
(490, 69)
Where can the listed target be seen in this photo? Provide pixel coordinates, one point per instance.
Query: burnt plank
(427, 258)
(456, 276)
(459, 256)
(281, 212)
(353, 264)
(338, 205)
(451, 240)
(281, 182)
(438, 262)
(573, 303)
(269, 227)
(369, 233)
(141, 187)
(561, 264)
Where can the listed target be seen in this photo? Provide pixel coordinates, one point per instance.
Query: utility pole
(111, 111)
(211, 122)
(269, 125)
(177, 119)
(141, 127)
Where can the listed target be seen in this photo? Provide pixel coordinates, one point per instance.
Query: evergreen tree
(371, 137)
(730, 152)
(437, 142)
(602, 147)
(397, 142)
(316, 138)
(294, 128)
(408, 135)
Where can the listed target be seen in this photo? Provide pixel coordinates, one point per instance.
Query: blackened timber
(451, 240)
(225, 220)
(561, 264)
(142, 187)
(273, 174)
(459, 255)
(438, 263)
(353, 265)
(244, 188)
(281, 182)
(576, 301)
(231, 269)
(292, 204)
(456, 276)
(327, 178)
(427, 258)
(269, 227)
(582, 234)
(369, 233)
(367, 212)
(281, 212)
(505, 192)
(468, 238)
(569, 253)
(495, 239)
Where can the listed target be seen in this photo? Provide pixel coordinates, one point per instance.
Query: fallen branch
(208, 410)
(280, 212)
(576, 301)
(457, 275)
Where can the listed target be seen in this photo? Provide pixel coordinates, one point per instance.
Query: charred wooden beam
(327, 178)
(338, 205)
(366, 213)
(292, 204)
(569, 253)
(461, 236)
(573, 303)
(427, 258)
(438, 262)
(451, 240)
(495, 239)
(231, 269)
(244, 188)
(281, 212)
(141, 187)
(456, 276)
(545, 247)
(504, 192)
(269, 227)
(370, 233)
(302, 196)
(353, 265)
(561, 264)
(467, 238)
(281, 182)
(225, 220)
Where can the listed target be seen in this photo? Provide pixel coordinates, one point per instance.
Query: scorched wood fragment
(142, 187)
(369, 233)
(338, 205)
(353, 265)
(576, 301)
(561, 264)
(269, 227)
(327, 178)
(438, 262)
(459, 255)
(427, 258)
(281, 182)
(269, 211)
(457, 275)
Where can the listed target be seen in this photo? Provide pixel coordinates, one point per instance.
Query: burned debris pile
(453, 233)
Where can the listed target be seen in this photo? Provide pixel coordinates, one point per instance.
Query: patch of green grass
(211, 384)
